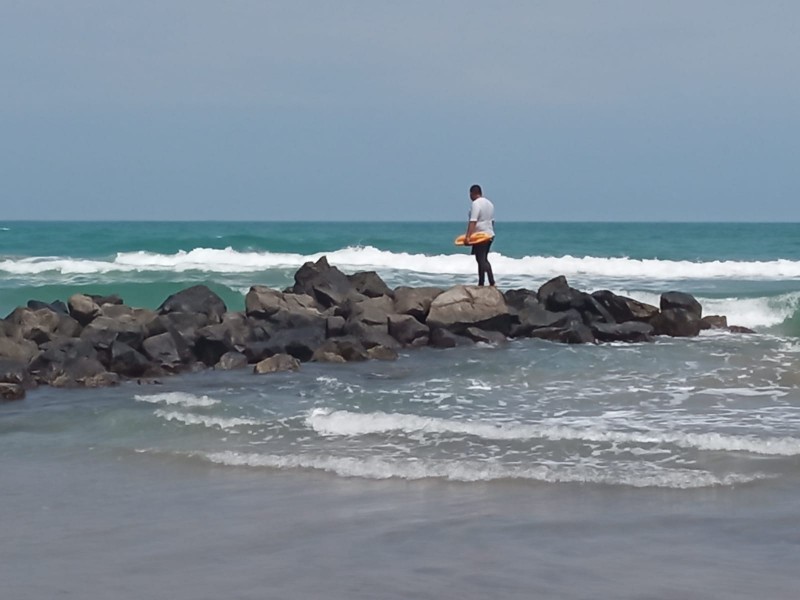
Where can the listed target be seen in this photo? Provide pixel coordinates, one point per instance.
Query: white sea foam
(346, 423)
(374, 467)
(204, 420)
(177, 399)
(228, 260)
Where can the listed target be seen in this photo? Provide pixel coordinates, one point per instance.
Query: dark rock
(714, 322)
(14, 371)
(51, 361)
(676, 322)
(486, 337)
(82, 372)
(556, 295)
(196, 299)
(739, 329)
(516, 299)
(277, 363)
(327, 284)
(407, 330)
(549, 288)
(681, 300)
(373, 311)
(42, 325)
(415, 301)
(442, 338)
(263, 302)
(630, 331)
(348, 349)
(9, 330)
(470, 306)
(382, 353)
(335, 326)
(168, 350)
(213, 341)
(104, 331)
(624, 309)
(533, 315)
(112, 300)
(371, 335)
(185, 324)
(257, 351)
(11, 391)
(231, 360)
(126, 361)
(299, 343)
(56, 306)
(82, 308)
(370, 284)
(572, 333)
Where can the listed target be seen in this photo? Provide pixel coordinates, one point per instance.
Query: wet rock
(231, 361)
(326, 284)
(110, 300)
(485, 337)
(11, 391)
(442, 338)
(382, 353)
(470, 306)
(371, 335)
(55, 355)
(631, 331)
(373, 311)
(125, 360)
(197, 299)
(624, 309)
(213, 341)
(572, 333)
(263, 302)
(683, 301)
(276, 364)
(533, 315)
(739, 329)
(676, 322)
(18, 349)
(299, 343)
(168, 350)
(56, 306)
(348, 349)
(42, 325)
(14, 371)
(335, 326)
(407, 330)
(714, 322)
(82, 372)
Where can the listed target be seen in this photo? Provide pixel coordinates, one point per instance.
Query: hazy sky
(370, 110)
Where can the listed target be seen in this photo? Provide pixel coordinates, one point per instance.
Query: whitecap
(177, 398)
(204, 420)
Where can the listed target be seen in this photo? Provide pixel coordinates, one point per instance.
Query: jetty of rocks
(327, 316)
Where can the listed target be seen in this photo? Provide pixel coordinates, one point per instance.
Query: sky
(360, 110)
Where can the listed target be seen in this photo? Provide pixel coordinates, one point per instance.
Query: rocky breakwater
(327, 316)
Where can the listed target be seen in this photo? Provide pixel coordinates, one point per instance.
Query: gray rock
(18, 349)
(231, 361)
(56, 306)
(676, 322)
(327, 284)
(82, 308)
(625, 309)
(373, 311)
(42, 325)
(198, 299)
(11, 391)
(168, 350)
(442, 338)
(277, 363)
(714, 322)
(335, 326)
(573, 333)
(382, 353)
(14, 371)
(371, 335)
(82, 372)
(213, 341)
(533, 315)
(415, 301)
(470, 306)
(348, 349)
(407, 330)
(370, 284)
(125, 360)
(681, 300)
(486, 337)
(299, 343)
(263, 302)
(105, 330)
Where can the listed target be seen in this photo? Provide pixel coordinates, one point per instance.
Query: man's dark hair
(476, 189)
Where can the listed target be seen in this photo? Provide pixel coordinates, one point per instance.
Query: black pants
(481, 253)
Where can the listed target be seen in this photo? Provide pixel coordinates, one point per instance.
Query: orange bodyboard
(475, 238)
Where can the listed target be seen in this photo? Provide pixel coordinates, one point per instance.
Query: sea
(528, 469)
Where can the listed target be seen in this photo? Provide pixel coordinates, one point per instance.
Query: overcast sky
(370, 110)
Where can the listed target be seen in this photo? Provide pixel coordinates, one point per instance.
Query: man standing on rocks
(481, 220)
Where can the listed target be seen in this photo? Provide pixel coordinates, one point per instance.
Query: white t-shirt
(482, 212)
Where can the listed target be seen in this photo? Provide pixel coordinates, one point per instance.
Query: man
(481, 220)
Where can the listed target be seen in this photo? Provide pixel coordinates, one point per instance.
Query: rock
(533, 315)
(231, 360)
(556, 295)
(257, 350)
(370, 284)
(185, 324)
(348, 349)
(442, 338)
(572, 333)
(470, 306)
(11, 391)
(14, 371)
(415, 301)
(104, 331)
(42, 325)
(371, 335)
(82, 372)
(335, 326)
(676, 322)
(299, 343)
(125, 360)
(102, 301)
(9, 329)
(382, 353)
(681, 300)
(407, 330)
(373, 311)
(82, 308)
(213, 341)
(625, 309)
(56, 306)
(485, 337)
(516, 299)
(168, 350)
(630, 331)
(197, 299)
(18, 349)
(54, 355)
(327, 284)
(277, 363)
(263, 302)
(714, 322)
(740, 329)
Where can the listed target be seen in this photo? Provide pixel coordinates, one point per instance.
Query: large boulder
(263, 302)
(676, 322)
(532, 315)
(277, 363)
(572, 333)
(327, 284)
(415, 301)
(168, 350)
(683, 301)
(82, 372)
(82, 308)
(56, 306)
(185, 324)
(50, 362)
(230, 361)
(343, 349)
(43, 325)
(215, 340)
(371, 335)
(105, 331)
(299, 343)
(486, 337)
(372, 311)
(18, 349)
(714, 322)
(442, 338)
(370, 284)
(14, 371)
(198, 299)
(624, 309)
(407, 330)
(125, 360)
(556, 295)
(470, 306)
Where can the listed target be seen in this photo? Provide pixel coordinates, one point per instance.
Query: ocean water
(529, 469)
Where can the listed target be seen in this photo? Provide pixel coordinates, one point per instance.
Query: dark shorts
(482, 247)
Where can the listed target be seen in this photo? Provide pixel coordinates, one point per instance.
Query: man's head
(475, 192)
